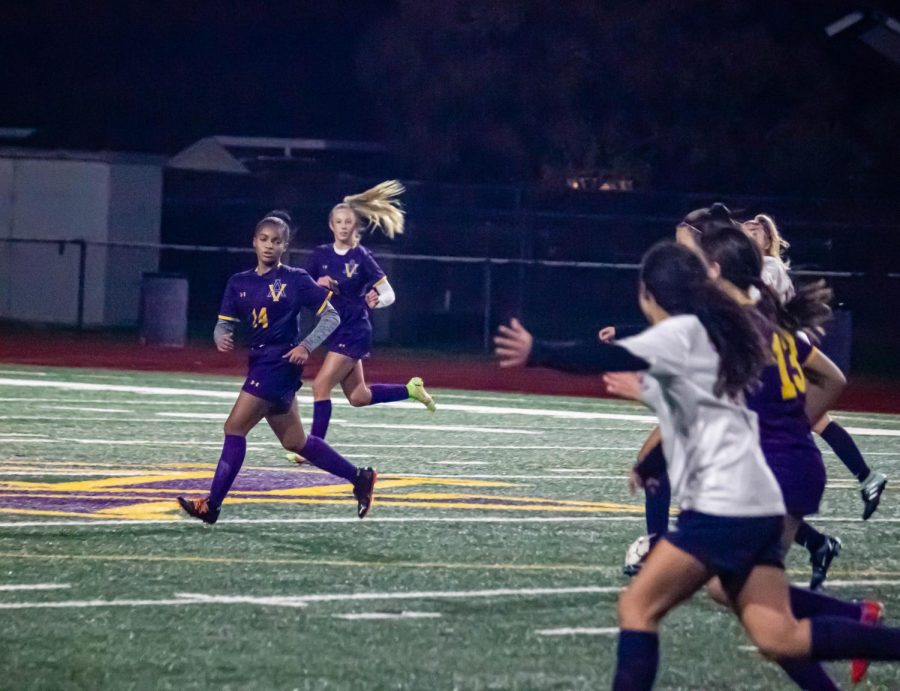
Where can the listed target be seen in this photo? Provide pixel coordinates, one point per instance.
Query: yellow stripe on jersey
(324, 303)
(228, 319)
(379, 281)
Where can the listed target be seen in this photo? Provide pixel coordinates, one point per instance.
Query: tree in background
(731, 94)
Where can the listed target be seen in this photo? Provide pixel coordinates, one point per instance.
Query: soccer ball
(635, 554)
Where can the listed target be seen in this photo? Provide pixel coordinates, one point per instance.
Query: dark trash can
(164, 304)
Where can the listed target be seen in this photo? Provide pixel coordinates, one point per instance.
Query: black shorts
(730, 546)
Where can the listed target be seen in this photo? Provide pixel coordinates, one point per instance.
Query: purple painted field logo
(152, 496)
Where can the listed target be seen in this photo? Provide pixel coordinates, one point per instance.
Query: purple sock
(846, 449)
(808, 675)
(385, 393)
(839, 639)
(321, 418)
(230, 462)
(805, 603)
(636, 661)
(320, 454)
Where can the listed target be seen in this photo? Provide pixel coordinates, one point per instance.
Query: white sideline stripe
(579, 631)
(20, 372)
(303, 600)
(873, 432)
(20, 434)
(378, 616)
(100, 522)
(431, 594)
(852, 584)
(342, 445)
(207, 393)
(468, 429)
(87, 410)
(34, 586)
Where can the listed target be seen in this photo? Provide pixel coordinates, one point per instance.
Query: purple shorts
(801, 476)
(273, 378)
(354, 340)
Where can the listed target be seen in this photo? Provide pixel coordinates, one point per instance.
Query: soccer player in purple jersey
(359, 285)
(781, 404)
(697, 358)
(764, 233)
(269, 298)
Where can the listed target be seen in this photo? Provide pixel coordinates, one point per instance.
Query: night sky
(157, 76)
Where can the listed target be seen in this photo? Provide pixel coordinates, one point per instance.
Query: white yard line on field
(579, 631)
(304, 600)
(33, 586)
(381, 616)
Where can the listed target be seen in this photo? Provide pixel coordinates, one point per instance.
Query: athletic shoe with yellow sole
(417, 392)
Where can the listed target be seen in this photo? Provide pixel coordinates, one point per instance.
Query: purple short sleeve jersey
(784, 429)
(269, 304)
(356, 272)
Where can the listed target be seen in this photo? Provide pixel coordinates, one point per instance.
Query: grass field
(491, 559)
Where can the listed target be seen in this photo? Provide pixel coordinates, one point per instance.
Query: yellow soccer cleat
(417, 392)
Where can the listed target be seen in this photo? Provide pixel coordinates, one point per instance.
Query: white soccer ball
(636, 551)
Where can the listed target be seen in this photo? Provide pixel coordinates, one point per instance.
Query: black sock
(842, 639)
(809, 537)
(846, 449)
(808, 674)
(637, 660)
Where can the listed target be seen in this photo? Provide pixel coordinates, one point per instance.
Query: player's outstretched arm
(516, 347)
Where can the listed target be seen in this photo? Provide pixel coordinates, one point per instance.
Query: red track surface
(66, 349)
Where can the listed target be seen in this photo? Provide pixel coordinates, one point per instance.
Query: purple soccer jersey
(269, 304)
(785, 431)
(356, 272)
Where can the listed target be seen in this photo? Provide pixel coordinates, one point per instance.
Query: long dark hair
(741, 263)
(677, 278)
(710, 218)
(279, 218)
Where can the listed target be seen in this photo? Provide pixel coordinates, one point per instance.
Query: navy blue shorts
(353, 340)
(801, 477)
(273, 378)
(730, 546)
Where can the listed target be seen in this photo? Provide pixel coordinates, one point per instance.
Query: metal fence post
(487, 306)
(82, 269)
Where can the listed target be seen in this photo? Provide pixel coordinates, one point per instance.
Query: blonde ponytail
(777, 244)
(378, 207)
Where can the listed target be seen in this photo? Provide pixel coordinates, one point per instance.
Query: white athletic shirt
(711, 443)
(774, 275)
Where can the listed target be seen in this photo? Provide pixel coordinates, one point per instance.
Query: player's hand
(225, 343)
(329, 282)
(623, 384)
(607, 334)
(513, 344)
(635, 481)
(372, 298)
(298, 355)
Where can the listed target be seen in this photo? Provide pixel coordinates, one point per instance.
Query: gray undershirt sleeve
(222, 328)
(329, 320)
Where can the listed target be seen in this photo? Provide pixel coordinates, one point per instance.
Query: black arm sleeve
(584, 357)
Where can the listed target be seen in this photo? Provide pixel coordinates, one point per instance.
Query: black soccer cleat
(871, 490)
(199, 508)
(363, 490)
(821, 559)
